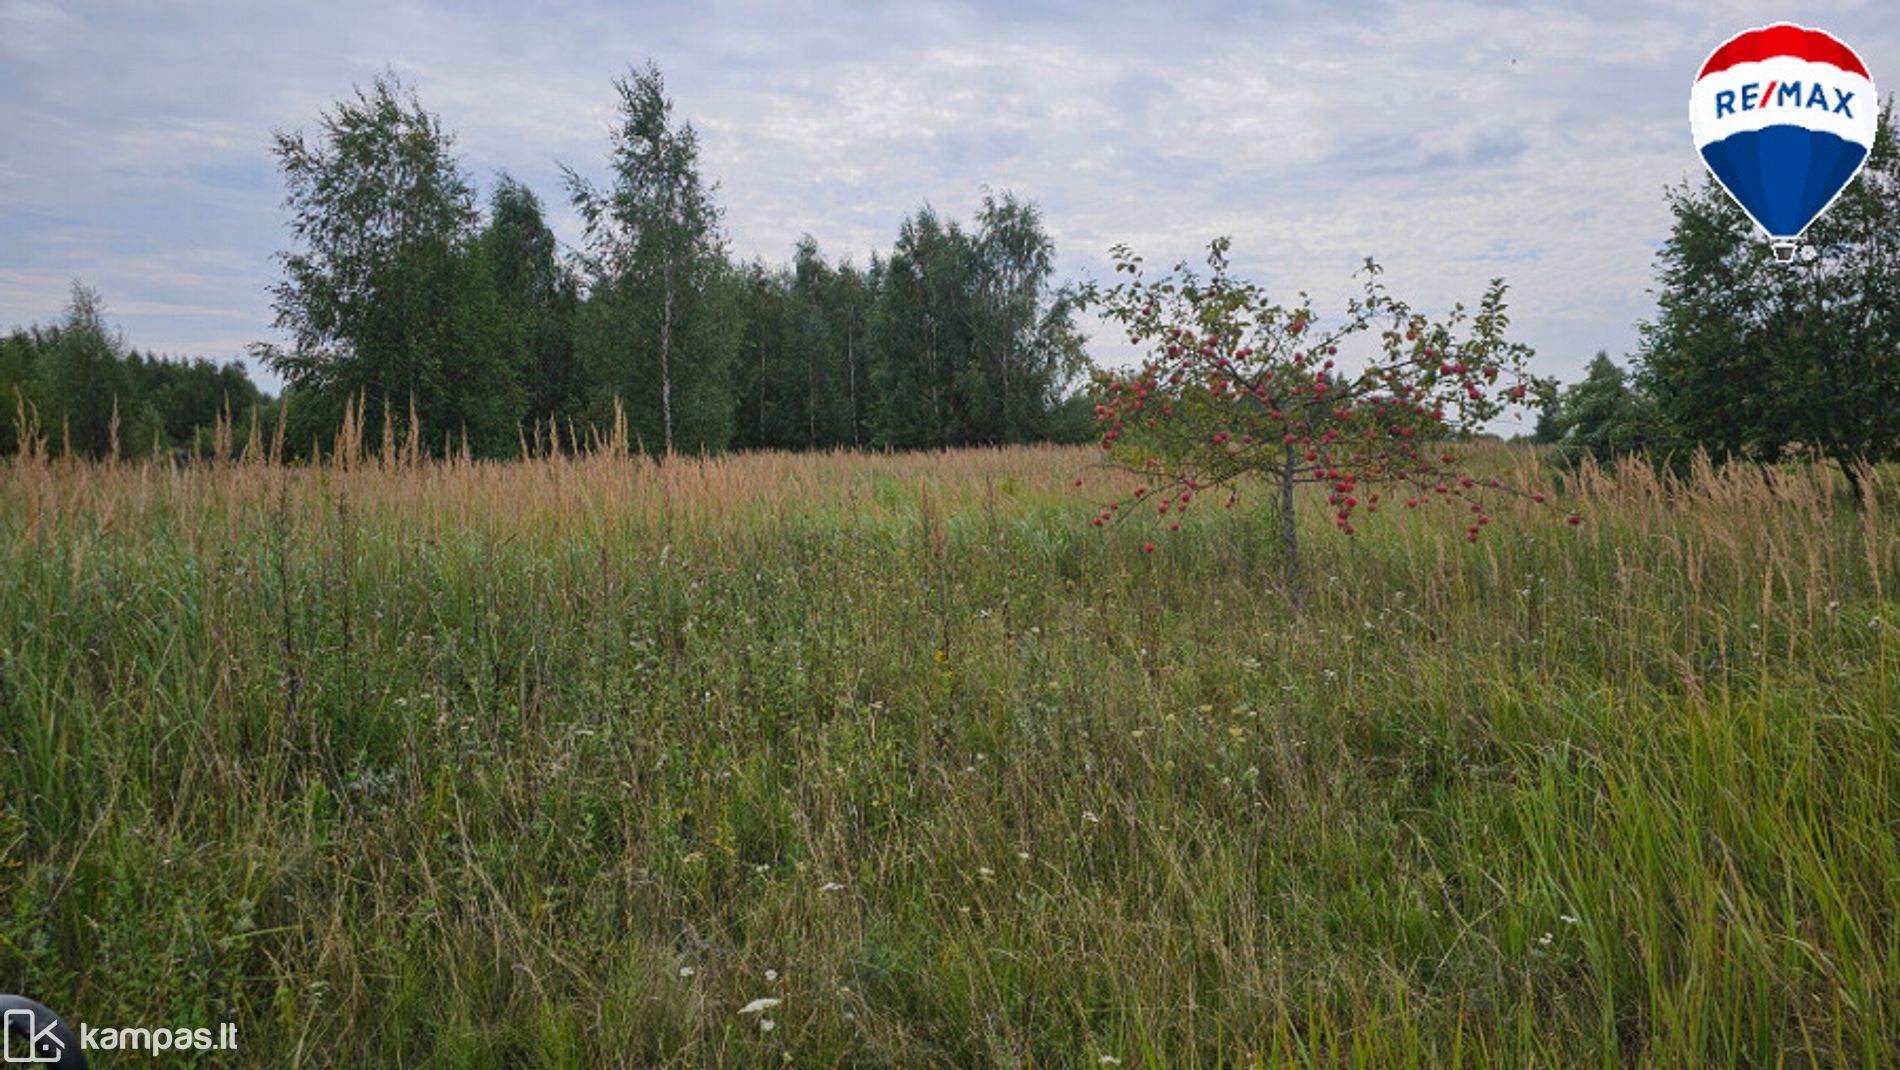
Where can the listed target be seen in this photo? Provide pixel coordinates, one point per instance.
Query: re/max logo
(1782, 95)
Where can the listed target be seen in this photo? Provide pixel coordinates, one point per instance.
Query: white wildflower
(771, 975)
(765, 1003)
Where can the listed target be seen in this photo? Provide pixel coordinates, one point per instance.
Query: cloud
(1453, 139)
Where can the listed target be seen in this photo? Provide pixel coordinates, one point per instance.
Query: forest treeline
(407, 296)
(83, 387)
(404, 291)
(1747, 357)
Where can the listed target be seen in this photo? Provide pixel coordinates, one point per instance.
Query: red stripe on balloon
(1783, 39)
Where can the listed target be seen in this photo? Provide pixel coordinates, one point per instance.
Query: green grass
(549, 764)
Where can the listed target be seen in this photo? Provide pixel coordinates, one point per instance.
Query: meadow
(570, 761)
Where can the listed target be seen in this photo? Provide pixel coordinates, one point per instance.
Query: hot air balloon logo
(1784, 116)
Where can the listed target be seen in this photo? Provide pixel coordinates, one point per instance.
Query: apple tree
(1374, 410)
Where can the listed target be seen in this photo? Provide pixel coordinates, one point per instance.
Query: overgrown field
(564, 762)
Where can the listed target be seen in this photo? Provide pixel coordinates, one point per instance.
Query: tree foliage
(1233, 385)
(85, 377)
(1747, 356)
(959, 337)
(540, 296)
(661, 293)
(397, 289)
(386, 296)
(77, 385)
(974, 342)
(1602, 416)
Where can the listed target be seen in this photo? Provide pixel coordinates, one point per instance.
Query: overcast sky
(1452, 141)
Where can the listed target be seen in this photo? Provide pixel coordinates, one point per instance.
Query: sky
(1452, 141)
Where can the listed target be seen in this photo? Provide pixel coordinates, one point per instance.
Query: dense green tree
(84, 386)
(540, 296)
(19, 396)
(396, 292)
(179, 397)
(73, 379)
(1603, 416)
(759, 418)
(1073, 418)
(387, 296)
(799, 375)
(659, 328)
(972, 343)
(848, 309)
(816, 357)
(1548, 428)
(1747, 356)
(1019, 364)
(922, 335)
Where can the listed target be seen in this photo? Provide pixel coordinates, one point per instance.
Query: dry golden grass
(548, 762)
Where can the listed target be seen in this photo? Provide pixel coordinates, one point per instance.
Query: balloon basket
(1785, 248)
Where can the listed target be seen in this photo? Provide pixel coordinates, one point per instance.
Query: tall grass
(412, 763)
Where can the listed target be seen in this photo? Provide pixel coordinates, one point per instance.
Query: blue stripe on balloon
(1783, 175)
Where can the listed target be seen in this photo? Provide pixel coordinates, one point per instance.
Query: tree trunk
(936, 404)
(1289, 530)
(666, 360)
(1851, 468)
(851, 363)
